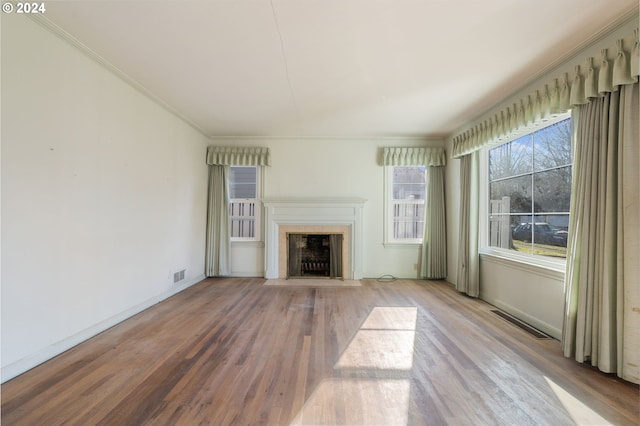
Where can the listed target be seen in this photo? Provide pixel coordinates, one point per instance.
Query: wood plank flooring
(236, 352)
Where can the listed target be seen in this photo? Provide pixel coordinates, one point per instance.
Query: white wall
(332, 168)
(103, 197)
(533, 294)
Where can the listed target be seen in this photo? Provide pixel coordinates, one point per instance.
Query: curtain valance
(413, 156)
(598, 76)
(238, 156)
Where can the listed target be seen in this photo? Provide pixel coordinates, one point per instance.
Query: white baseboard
(547, 328)
(247, 274)
(12, 370)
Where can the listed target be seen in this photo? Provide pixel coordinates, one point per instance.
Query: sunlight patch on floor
(360, 402)
(383, 318)
(384, 344)
(380, 350)
(579, 412)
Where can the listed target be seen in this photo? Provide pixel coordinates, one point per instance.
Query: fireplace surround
(313, 216)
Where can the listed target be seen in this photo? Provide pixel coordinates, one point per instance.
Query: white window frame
(389, 203)
(549, 263)
(257, 216)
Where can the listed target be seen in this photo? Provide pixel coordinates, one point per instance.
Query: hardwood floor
(233, 351)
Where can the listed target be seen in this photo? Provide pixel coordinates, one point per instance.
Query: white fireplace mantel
(316, 212)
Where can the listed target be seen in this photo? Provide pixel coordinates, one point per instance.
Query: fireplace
(336, 216)
(314, 255)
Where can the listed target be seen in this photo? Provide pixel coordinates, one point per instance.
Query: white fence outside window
(243, 219)
(408, 220)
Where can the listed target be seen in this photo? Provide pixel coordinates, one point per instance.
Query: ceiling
(333, 68)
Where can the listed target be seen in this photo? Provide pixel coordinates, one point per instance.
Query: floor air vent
(515, 321)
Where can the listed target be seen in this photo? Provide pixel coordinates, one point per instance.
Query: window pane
(511, 159)
(545, 235)
(242, 182)
(530, 192)
(242, 217)
(408, 221)
(500, 230)
(409, 183)
(552, 190)
(408, 191)
(518, 190)
(244, 204)
(243, 228)
(552, 146)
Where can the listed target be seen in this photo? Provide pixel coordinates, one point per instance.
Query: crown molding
(385, 138)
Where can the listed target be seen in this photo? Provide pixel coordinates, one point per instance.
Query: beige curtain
(335, 252)
(295, 255)
(434, 243)
(602, 323)
(468, 259)
(218, 242)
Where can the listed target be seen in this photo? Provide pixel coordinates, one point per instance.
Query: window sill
(549, 268)
(248, 243)
(402, 245)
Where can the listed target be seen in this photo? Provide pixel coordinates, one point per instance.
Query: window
(529, 192)
(244, 203)
(405, 198)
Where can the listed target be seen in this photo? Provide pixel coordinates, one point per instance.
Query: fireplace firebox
(314, 255)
